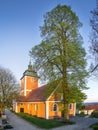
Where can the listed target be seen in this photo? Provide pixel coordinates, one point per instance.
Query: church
(34, 101)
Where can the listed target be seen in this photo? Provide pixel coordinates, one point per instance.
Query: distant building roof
(91, 103)
(91, 107)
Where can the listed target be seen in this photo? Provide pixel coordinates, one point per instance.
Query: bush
(95, 127)
(8, 127)
(82, 114)
(95, 114)
(43, 123)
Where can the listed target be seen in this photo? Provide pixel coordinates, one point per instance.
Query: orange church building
(33, 100)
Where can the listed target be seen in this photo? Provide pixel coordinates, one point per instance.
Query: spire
(30, 71)
(30, 67)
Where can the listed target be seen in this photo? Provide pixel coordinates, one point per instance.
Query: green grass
(43, 123)
(95, 126)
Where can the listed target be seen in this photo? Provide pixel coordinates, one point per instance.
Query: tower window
(33, 79)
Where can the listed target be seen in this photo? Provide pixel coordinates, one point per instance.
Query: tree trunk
(66, 113)
(66, 100)
(2, 108)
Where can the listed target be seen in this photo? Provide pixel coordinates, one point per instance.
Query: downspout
(16, 107)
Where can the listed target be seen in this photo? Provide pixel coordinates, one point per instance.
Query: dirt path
(82, 123)
(18, 123)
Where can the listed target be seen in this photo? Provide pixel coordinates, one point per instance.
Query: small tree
(9, 88)
(60, 57)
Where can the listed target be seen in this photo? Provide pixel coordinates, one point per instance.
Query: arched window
(55, 107)
(70, 106)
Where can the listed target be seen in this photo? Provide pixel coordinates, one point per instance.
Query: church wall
(33, 108)
(28, 84)
(52, 113)
(32, 83)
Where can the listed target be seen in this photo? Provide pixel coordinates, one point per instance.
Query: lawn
(43, 123)
(95, 115)
(95, 126)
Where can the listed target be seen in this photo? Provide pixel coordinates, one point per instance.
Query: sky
(19, 32)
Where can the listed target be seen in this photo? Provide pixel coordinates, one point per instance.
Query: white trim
(47, 110)
(25, 86)
(16, 107)
(74, 109)
(40, 102)
(54, 101)
(21, 102)
(36, 107)
(24, 91)
(28, 106)
(28, 90)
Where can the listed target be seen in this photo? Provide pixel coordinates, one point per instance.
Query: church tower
(29, 80)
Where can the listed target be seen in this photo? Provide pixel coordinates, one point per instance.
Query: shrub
(43, 123)
(95, 127)
(95, 114)
(82, 114)
(8, 127)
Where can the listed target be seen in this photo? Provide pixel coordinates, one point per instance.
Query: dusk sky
(19, 32)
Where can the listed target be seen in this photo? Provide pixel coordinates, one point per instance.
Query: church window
(70, 106)
(55, 107)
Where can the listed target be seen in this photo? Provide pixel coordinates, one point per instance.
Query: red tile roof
(34, 96)
(91, 107)
(21, 99)
(40, 94)
(37, 95)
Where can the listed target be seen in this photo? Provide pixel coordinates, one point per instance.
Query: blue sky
(19, 31)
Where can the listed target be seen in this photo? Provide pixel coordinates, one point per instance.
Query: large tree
(9, 89)
(94, 38)
(60, 57)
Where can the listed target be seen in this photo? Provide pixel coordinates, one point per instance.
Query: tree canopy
(9, 89)
(94, 38)
(60, 57)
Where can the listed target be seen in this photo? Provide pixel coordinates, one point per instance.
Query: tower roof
(30, 71)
